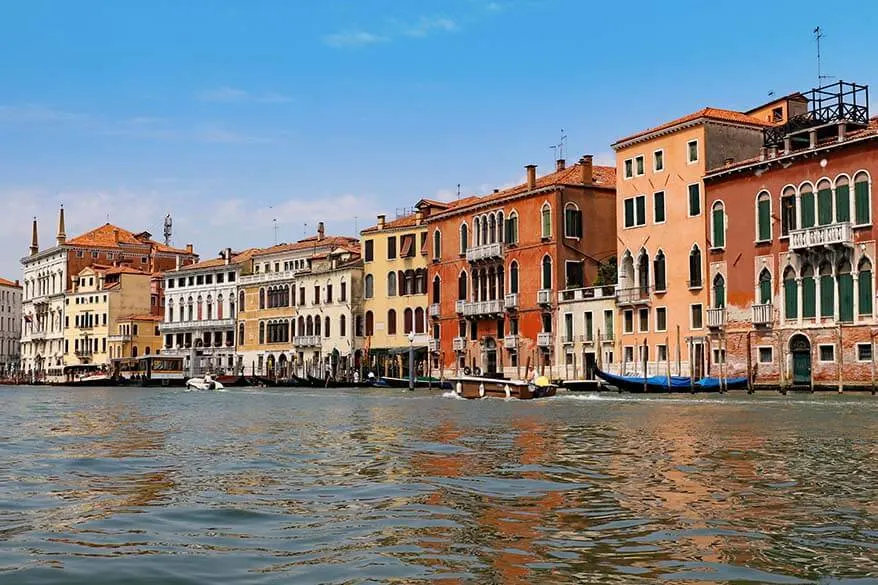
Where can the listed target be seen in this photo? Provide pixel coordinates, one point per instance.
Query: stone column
(799, 300)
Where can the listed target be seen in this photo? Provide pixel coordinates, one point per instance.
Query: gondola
(657, 384)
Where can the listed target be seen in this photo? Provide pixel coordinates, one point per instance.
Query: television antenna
(168, 229)
(558, 149)
(818, 34)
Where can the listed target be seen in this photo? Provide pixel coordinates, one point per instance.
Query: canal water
(123, 485)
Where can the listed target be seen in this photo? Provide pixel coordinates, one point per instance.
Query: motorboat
(474, 387)
(206, 382)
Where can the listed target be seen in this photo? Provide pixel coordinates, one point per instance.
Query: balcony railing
(433, 345)
(716, 318)
(511, 301)
(123, 337)
(636, 295)
(833, 234)
(266, 277)
(485, 252)
(483, 308)
(190, 325)
(544, 339)
(588, 293)
(568, 339)
(434, 310)
(306, 340)
(459, 307)
(762, 314)
(510, 341)
(458, 344)
(544, 296)
(587, 338)
(81, 353)
(38, 335)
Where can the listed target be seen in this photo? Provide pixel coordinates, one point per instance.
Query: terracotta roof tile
(310, 242)
(237, 258)
(5, 282)
(156, 318)
(105, 237)
(706, 113)
(411, 220)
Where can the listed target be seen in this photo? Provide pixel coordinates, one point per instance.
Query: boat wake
(452, 394)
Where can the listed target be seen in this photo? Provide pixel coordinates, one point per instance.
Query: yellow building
(134, 336)
(99, 297)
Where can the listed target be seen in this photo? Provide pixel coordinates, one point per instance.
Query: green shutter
(864, 286)
(547, 275)
(719, 229)
(659, 204)
(547, 223)
(861, 202)
(827, 296)
(791, 298)
(809, 297)
(694, 200)
(579, 224)
(764, 220)
(641, 210)
(807, 209)
(719, 291)
(842, 203)
(765, 291)
(824, 206)
(846, 297)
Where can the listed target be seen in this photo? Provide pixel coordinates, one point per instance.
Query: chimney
(560, 164)
(496, 190)
(729, 161)
(812, 139)
(319, 230)
(842, 131)
(381, 218)
(62, 235)
(34, 244)
(419, 217)
(228, 254)
(188, 248)
(116, 235)
(16, 282)
(772, 152)
(179, 262)
(531, 176)
(787, 145)
(587, 164)
(763, 153)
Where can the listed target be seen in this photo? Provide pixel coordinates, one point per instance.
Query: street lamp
(411, 337)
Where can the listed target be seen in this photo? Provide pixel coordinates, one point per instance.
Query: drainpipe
(840, 360)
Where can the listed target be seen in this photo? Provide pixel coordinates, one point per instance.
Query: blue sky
(229, 114)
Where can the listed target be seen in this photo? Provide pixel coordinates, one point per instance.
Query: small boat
(207, 382)
(476, 387)
(655, 384)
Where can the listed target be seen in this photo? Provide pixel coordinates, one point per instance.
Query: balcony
(511, 301)
(544, 296)
(122, 337)
(83, 353)
(716, 318)
(434, 310)
(458, 344)
(486, 252)
(269, 277)
(433, 345)
(834, 234)
(306, 341)
(544, 339)
(762, 314)
(637, 295)
(510, 342)
(568, 339)
(459, 307)
(38, 335)
(588, 293)
(478, 308)
(197, 325)
(586, 338)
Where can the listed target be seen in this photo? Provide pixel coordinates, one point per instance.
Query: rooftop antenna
(168, 229)
(562, 144)
(274, 220)
(458, 191)
(356, 225)
(818, 34)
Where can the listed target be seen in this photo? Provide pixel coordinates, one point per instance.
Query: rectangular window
(643, 320)
(608, 324)
(220, 278)
(640, 207)
(589, 326)
(629, 354)
(343, 293)
(694, 199)
(369, 250)
(692, 151)
(317, 294)
(208, 279)
(199, 279)
(628, 317)
(629, 213)
(391, 247)
(658, 207)
(696, 316)
(661, 352)
(407, 246)
(661, 319)
(766, 355)
(328, 293)
(574, 274)
(864, 352)
(658, 161)
(826, 353)
(231, 277)
(572, 223)
(719, 356)
(861, 202)
(842, 203)
(568, 326)
(638, 165)
(629, 168)
(423, 244)
(635, 211)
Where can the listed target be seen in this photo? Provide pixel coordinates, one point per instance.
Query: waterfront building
(99, 297)
(200, 312)
(395, 258)
(134, 336)
(268, 296)
(585, 335)
(791, 263)
(10, 326)
(662, 240)
(498, 261)
(47, 275)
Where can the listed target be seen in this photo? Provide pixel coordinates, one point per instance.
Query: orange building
(498, 262)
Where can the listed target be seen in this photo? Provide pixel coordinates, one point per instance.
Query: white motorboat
(205, 382)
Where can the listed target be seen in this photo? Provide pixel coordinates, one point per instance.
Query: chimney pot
(496, 190)
(228, 253)
(320, 230)
(381, 218)
(531, 176)
(116, 235)
(729, 161)
(763, 153)
(772, 152)
(842, 131)
(587, 165)
(560, 164)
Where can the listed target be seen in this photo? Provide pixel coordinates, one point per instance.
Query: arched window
(864, 287)
(261, 298)
(643, 272)
(342, 326)
(199, 303)
(626, 272)
(763, 217)
(190, 307)
(369, 286)
(419, 320)
(547, 273)
(209, 307)
(501, 227)
(370, 323)
(809, 293)
(437, 245)
(170, 310)
(391, 284)
(326, 327)
(309, 325)
(477, 232)
(302, 329)
(513, 277)
(317, 326)
(790, 294)
(546, 220)
(806, 201)
(512, 228)
(862, 199)
(241, 301)
(787, 211)
(695, 267)
(219, 306)
(572, 221)
(827, 291)
(492, 228)
(484, 239)
(718, 225)
(464, 238)
(261, 332)
(240, 334)
(391, 322)
(765, 287)
(845, 292)
(134, 351)
(824, 202)
(719, 291)
(407, 321)
(436, 288)
(462, 286)
(660, 270)
(842, 199)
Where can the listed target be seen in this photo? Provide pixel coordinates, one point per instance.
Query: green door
(801, 367)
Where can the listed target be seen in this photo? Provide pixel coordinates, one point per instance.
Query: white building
(10, 326)
(584, 336)
(201, 311)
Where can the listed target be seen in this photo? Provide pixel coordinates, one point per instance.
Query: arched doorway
(490, 356)
(800, 349)
(269, 365)
(282, 366)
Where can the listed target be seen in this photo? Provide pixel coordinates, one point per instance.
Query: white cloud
(429, 24)
(352, 38)
(420, 28)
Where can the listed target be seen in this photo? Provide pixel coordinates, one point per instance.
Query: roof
(156, 318)
(237, 258)
(5, 282)
(716, 114)
(105, 236)
(124, 270)
(308, 243)
(411, 220)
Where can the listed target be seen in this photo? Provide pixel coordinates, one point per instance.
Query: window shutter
(720, 295)
(824, 206)
(842, 203)
(827, 296)
(864, 286)
(765, 291)
(764, 220)
(861, 202)
(846, 297)
(791, 298)
(809, 297)
(807, 209)
(641, 210)
(694, 200)
(719, 228)
(629, 212)
(578, 218)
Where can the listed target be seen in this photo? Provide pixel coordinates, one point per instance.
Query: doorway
(490, 357)
(697, 360)
(589, 365)
(800, 348)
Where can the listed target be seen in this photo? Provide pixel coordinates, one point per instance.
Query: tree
(607, 272)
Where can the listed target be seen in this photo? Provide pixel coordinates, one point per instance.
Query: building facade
(200, 313)
(497, 263)
(585, 337)
(791, 267)
(10, 326)
(134, 336)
